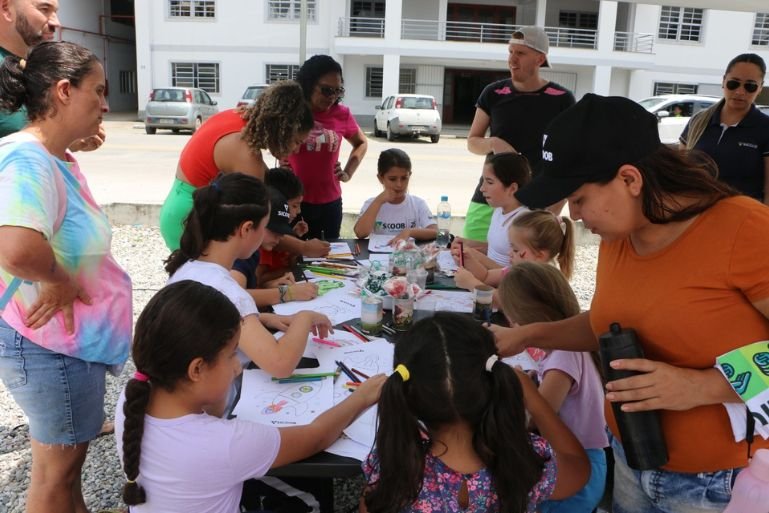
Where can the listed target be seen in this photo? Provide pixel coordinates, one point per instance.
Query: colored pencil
(297, 380)
(325, 342)
(359, 373)
(347, 371)
(388, 330)
(352, 384)
(355, 332)
(316, 375)
(359, 332)
(461, 254)
(304, 276)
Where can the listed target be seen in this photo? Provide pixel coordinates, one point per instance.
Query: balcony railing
(361, 27)
(432, 30)
(633, 42)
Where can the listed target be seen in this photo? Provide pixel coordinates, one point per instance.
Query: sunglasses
(733, 85)
(329, 91)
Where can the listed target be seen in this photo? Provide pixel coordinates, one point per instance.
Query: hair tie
(130, 481)
(563, 226)
(22, 64)
(490, 361)
(140, 376)
(403, 371)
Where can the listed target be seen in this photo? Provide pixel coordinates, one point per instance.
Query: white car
(673, 112)
(409, 115)
(251, 94)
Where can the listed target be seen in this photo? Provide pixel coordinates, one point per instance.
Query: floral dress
(441, 484)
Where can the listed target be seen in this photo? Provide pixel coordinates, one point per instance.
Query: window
(407, 81)
(680, 23)
(671, 88)
(289, 10)
(204, 75)
(127, 82)
(192, 8)
(368, 9)
(373, 82)
(761, 29)
(277, 72)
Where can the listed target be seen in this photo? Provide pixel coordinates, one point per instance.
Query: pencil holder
(403, 313)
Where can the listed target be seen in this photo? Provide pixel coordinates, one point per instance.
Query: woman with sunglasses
(316, 163)
(734, 132)
(233, 140)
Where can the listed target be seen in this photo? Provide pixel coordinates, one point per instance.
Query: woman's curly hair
(276, 118)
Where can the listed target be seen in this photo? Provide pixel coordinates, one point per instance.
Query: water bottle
(641, 432)
(750, 493)
(444, 222)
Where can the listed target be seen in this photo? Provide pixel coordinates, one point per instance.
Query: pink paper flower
(398, 287)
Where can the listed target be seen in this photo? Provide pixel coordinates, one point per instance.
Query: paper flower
(399, 288)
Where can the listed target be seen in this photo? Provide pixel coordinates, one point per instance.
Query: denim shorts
(62, 396)
(662, 491)
(585, 500)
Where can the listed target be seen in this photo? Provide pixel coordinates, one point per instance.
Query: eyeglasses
(733, 85)
(329, 91)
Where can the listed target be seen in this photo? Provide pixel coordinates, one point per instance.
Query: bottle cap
(444, 198)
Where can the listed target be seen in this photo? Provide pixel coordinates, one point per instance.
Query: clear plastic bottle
(444, 222)
(750, 493)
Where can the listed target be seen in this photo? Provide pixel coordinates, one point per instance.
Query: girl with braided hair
(233, 140)
(176, 451)
(452, 432)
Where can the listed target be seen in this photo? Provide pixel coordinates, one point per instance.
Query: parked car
(251, 94)
(673, 112)
(178, 108)
(408, 115)
(764, 109)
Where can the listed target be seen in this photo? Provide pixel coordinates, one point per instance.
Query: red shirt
(197, 158)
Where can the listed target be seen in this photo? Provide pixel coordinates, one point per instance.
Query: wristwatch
(282, 289)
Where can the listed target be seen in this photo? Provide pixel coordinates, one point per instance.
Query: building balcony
(469, 32)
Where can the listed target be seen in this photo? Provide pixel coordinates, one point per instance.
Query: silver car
(178, 108)
(251, 94)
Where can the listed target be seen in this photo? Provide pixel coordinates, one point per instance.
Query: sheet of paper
(282, 404)
(377, 243)
(447, 301)
(340, 337)
(339, 305)
(337, 250)
(522, 360)
(345, 446)
(446, 261)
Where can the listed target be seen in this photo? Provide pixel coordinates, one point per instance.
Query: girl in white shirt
(176, 451)
(229, 220)
(503, 175)
(396, 212)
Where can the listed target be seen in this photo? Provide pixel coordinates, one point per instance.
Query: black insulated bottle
(641, 432)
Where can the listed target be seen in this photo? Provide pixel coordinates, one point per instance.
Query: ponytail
(502, 441)
(401, 456)
(568, 247)
(137, 396)
(13, 94)
(218, 210)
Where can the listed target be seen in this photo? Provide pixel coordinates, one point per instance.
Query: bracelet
(282, 289)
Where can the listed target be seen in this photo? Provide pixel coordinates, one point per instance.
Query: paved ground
(136, 168)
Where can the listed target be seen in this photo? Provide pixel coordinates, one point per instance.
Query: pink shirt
(582, 410)
(315, 160)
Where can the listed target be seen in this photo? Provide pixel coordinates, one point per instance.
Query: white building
(106, 27)
(449, 49)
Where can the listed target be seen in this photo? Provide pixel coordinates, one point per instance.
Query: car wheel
(150, 130)
(377, 133)
(198, 122)
(390, 135)
(435, 138)
(175, 130)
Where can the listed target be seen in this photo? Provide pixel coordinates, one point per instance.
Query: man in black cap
(516, 111)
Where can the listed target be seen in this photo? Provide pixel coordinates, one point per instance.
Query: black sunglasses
(329, 91)
(733, 85)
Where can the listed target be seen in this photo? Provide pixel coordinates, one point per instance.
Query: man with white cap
(517, 110)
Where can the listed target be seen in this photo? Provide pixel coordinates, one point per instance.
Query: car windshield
(423, 102)
(650, 103)
(253, 93)
(168, 95)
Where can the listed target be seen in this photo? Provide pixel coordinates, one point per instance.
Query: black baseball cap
(279, 215)
(588, 143)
